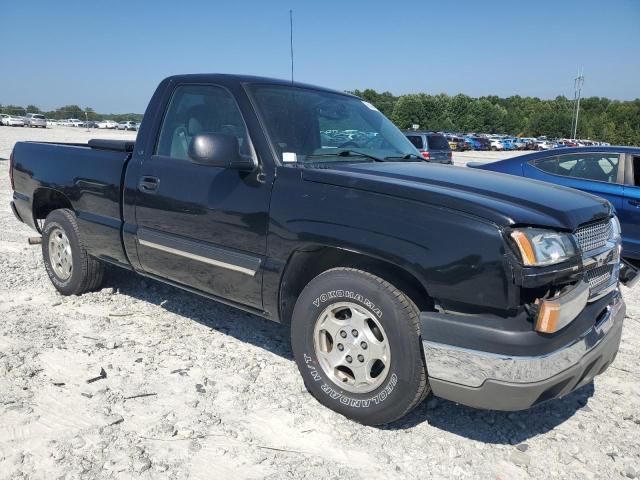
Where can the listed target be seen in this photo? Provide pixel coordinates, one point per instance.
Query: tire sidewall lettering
(332, 295)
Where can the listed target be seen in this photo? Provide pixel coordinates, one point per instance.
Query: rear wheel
(356, 340)
(70, 268)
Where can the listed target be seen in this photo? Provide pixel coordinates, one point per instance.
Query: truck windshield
(319, 126)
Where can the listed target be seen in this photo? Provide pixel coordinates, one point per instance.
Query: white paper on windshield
(369, 106)
(289, 157)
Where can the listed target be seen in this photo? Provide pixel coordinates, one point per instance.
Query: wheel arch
(306, 263)
(45, 201)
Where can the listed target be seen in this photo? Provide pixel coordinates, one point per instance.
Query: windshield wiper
(348, 153)
(408, 156)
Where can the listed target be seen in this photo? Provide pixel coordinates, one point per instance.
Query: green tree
(407, 111)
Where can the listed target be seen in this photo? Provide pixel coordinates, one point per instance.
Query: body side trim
(219, 257)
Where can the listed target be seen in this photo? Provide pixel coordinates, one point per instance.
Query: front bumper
(483, 379)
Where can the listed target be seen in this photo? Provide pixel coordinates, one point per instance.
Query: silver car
(35, 120)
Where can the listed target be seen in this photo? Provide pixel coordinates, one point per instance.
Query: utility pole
(577, 95)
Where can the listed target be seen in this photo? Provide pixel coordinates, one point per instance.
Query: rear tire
(70, 268)
(356, 340)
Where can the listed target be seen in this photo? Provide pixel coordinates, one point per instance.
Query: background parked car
(544, 145)
(51, 122)
(455, 143)
(109, 124)
(474, 143)
(485, 143)
(12, 120)
(432, 146)
(90, 124)
(496, 144)
(507, 144)
(520, 143)
(71, 122)
(128, 125)
(35, 120)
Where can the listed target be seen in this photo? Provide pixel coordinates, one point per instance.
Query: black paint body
(445, 226)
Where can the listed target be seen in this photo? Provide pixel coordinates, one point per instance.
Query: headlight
(542, 247)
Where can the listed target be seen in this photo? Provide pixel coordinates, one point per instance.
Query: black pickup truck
(308, 207)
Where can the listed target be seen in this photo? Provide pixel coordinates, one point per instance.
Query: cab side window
(196, 109)
(602, 167)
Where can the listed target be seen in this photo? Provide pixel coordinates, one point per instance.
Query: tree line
(70, 111)
(613, 121)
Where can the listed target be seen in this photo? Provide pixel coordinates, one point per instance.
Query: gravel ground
(189, 388)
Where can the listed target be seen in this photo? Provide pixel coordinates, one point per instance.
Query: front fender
(459, 259)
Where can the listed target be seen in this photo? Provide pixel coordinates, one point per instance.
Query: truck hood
(500, 198)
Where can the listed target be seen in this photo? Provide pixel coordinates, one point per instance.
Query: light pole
(577, 94)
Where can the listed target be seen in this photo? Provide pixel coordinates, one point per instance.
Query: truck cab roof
(237, 79)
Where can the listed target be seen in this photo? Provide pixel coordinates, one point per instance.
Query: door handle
(148, 184)
(635, 203)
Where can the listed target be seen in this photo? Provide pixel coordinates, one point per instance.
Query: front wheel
(356, 340)
(70, 268)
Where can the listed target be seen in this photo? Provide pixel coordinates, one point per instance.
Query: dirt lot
(188, 388)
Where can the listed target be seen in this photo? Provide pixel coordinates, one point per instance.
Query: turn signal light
(425, 155)
(548, 315)
(556, 313)
(526, 249)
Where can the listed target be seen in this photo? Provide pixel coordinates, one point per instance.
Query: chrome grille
(593, 236)
(598, 276)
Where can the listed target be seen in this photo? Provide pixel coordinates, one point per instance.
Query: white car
(110, 124)
(35, 120)
(496, 144)
(74, 122)
(52, 122)
(544, 145)
(12, 120)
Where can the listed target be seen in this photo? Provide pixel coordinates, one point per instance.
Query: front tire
(356, 340)
(70, 268)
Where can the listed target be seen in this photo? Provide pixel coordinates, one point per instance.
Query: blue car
(609, 172)
(474, 142)
(507, 144)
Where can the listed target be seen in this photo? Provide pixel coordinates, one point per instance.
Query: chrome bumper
(510, 382)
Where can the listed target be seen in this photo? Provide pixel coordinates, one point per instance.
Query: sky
(110, 54)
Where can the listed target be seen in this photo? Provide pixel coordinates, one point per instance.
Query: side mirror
(219, 150)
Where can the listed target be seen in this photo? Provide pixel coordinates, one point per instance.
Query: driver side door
(202, 226)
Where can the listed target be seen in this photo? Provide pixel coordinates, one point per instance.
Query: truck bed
(89, 175)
